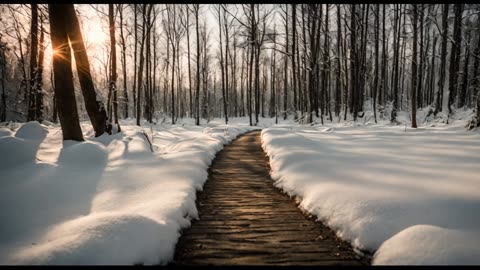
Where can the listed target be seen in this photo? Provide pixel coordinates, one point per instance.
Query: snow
(5, 132)
(408, 195)
(22, 146)
(414, 246)
(31, 131)
(24, 151)
(107, 200)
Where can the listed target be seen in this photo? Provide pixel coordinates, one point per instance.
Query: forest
(315, 62)
(240, 134)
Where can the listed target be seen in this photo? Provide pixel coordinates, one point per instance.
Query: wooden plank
(245, 220)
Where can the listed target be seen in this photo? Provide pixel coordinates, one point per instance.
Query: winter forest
(180, 134)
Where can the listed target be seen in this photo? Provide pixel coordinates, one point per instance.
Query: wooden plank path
(245, 220)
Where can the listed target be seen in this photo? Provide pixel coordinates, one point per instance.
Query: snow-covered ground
(108, 200)
(411, 196)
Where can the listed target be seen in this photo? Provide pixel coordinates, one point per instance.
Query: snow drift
(411, 195)
(108, 200)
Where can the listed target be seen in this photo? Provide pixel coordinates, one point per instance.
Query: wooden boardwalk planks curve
(245, 220)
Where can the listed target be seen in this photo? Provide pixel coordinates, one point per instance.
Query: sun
(95, 35)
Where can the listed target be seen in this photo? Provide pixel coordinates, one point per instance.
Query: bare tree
(387, 53)
(196, 9)
(443, 58)
(123, 45)
(414, 66)
(223, 63)
(142, 60)
(377, 41)
(186, 25)
(174, 35)
(39, 76)
(33, 62)
(113, 70)
(455, 57)
(353, 62)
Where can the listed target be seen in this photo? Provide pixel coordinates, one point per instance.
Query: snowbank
(21, 148)
(5, 132)
(108, 200)
(430, 245)
(15, 152)
(32, 131)
(411, 195)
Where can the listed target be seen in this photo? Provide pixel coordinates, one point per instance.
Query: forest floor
(245, 220)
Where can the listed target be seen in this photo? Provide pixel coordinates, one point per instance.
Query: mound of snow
(5, 132)
(99, 239)
(429, 245)
(15, 152)
(32, 131)
(83, 153)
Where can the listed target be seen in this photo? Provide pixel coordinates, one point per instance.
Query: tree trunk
(173, 84)
(55, 113)
(95, 109)
(148, 67)
(294, 71)
(39, 78)
(33, 63)
(420, 89)
(227, 48)
(326, 61)
(375, 79)
(432, 73)
(443, 59)
(257, 67)
(464, 85)
(140, 68)
(285, 82)
(362, 73)
(347, 87)
(242, 88)
(250, 64)
(414, 67)
(197, 95)
(272, 106)
(382, 92)
(222, 67)
(353, 63)
(135, 53)
(3, 63)
(113, 58)
(124, 63)
(62, 69)
(338, 78)
(455, 57)
(476, 86)
(396, 57)
(234, 76)
(189, 65)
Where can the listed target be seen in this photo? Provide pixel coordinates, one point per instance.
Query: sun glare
(95, 35)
